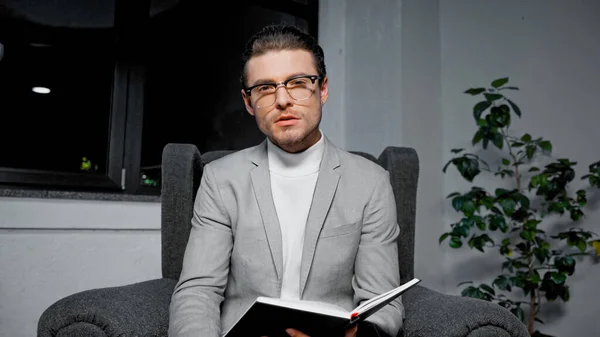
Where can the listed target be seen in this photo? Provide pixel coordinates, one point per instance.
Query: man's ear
(247, 102)
(324, 90)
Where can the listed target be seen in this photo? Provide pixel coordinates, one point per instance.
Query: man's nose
(283, 98)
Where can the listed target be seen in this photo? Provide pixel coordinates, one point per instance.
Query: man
(294, 217)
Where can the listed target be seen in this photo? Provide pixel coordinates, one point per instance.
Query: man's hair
(281, 37)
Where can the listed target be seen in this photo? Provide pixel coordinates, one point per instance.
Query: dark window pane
(192, 86)
(56, 79)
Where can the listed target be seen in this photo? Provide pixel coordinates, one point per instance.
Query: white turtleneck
(293, 180)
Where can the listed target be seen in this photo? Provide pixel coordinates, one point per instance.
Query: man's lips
(286, 120)
(286, 117)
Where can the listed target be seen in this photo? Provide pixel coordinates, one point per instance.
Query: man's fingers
(295, 333)
(351, 332)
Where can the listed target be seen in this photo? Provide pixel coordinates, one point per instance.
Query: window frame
(127, 108)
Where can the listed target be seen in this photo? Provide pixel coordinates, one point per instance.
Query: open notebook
(271, 316)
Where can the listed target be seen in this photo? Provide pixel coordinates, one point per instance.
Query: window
(126, 77)
(192, 85)
(56, 83)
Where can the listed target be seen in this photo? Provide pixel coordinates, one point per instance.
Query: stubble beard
(289, 138)
(292, 138)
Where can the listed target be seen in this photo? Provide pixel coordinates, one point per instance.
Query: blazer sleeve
(195, 304)
(376, 264)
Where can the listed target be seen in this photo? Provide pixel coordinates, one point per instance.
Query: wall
(52, 248)
(362, 52)
(422, 129)
(332, 35)
(548, 48)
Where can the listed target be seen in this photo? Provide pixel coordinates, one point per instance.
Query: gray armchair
(142, 309)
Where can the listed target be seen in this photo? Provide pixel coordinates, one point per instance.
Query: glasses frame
(312, 78)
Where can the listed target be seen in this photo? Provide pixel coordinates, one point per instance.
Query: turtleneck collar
(295, 164)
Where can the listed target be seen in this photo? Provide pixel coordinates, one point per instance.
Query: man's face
(292, 123)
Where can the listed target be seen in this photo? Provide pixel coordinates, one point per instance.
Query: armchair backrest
(182, 168)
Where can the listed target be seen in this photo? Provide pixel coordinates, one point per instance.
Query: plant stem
(516, 166)
(532, 313)
(532, 299)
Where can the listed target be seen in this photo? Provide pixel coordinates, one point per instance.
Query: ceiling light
(41, 90)
(39, 45)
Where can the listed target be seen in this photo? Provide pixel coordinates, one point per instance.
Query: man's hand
(295, 333)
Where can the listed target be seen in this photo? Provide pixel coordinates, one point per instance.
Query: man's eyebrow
(268, 80)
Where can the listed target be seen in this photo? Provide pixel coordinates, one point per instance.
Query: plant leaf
(517, 311)
(530, 150)
(488, 289)
(457, 203)
(502, 282)
(558, 278)
(528, 235)
(546, 145)
(468, 167)
(477, 137)
(498, 221)
(576, 214)
(443, 237)
(479, 108)
(565, 264)
(514, 107)
(452, 195)
(508, 206)
(498, 140)
(492, 97)
(499, 82)
(468, 208)
(474, 91)
(596, 245)
(446, 166)
(499, 192)
(455, 242)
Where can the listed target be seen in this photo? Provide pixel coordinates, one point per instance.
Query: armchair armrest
(140, 309)
(430, 313)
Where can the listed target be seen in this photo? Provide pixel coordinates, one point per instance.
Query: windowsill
(75, 195)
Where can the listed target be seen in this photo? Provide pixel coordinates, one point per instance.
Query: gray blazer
(234, 252)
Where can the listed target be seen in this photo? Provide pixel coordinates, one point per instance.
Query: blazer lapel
(261, 182)
(323, 196)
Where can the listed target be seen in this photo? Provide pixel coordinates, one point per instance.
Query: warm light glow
(40, 90)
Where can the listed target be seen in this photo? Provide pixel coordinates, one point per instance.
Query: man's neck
(296, 164)
(303, 145)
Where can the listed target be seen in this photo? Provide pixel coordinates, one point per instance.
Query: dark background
(126, 78)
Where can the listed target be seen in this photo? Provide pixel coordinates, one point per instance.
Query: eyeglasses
(299, 88)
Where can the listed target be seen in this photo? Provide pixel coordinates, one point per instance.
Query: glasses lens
(301, 88)
(298, 88)
(264, 95)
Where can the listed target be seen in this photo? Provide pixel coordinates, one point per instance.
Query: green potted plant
(516, 221)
